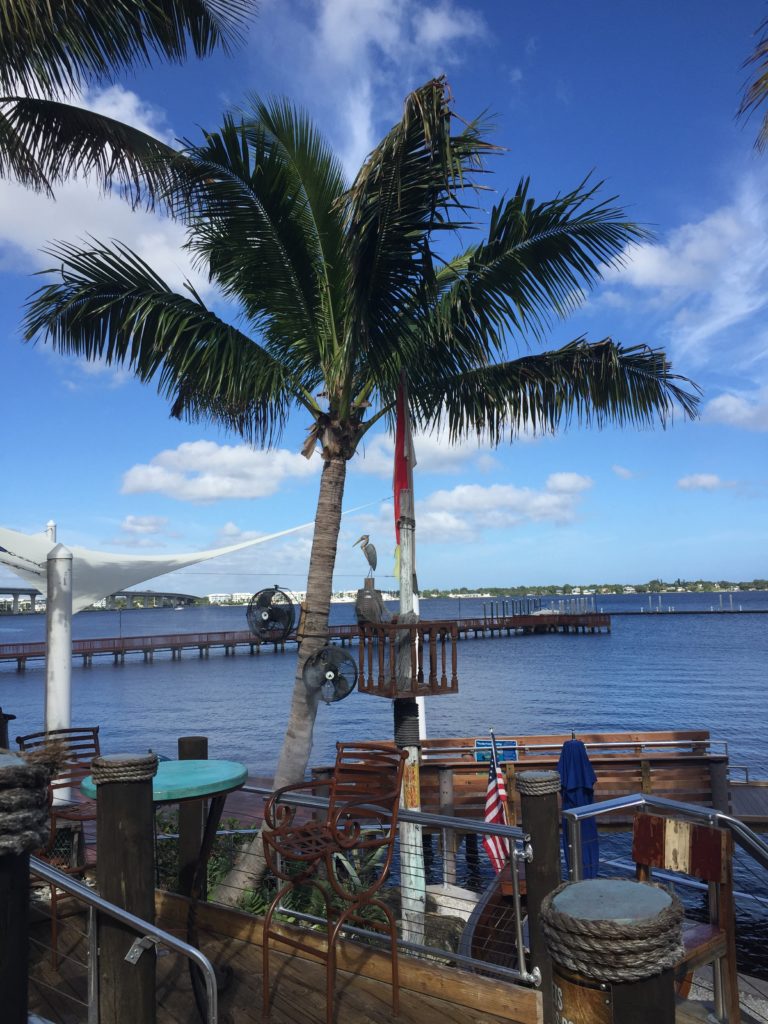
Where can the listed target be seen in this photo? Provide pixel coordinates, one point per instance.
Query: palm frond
(756, 90)
(109, 305)
(536, 264)
(592, 383)
(262, 195)
(59, 46)
(415, 183)
(44, 142)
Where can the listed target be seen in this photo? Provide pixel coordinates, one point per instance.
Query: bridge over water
(132, 599)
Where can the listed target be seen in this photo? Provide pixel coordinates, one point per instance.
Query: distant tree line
(651, 587)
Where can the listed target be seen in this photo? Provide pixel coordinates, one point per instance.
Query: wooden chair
(78, 747)
(65, 849)
(705, 853)
(345, 854)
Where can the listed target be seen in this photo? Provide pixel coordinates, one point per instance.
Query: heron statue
(369, 551)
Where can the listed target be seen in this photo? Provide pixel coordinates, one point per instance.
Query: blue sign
(506, 750)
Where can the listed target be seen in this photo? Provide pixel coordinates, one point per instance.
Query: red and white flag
(497, 847)
(405, 460)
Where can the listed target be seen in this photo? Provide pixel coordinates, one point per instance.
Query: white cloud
(362, 58)
(203, 471)
(623, 472)
(702, 482)
(29, 221)
(434, 454)
(747, 411)
(709, 277)
(445, 24)
(568, 483)
(144, 524)
(463, 511)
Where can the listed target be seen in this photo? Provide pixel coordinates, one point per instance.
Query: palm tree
(50, 51)
(340, 289)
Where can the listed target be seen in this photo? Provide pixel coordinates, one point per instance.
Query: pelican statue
(369, 551)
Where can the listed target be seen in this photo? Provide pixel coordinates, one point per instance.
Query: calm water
(661, 671)
(665, 671)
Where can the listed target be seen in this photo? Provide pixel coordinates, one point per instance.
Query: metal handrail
(751, 843)
(442, 821)
(145, 929)
(741, 768)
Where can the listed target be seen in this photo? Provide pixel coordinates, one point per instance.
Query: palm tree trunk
(294, 757)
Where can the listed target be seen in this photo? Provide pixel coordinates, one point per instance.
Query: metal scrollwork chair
(345, 854)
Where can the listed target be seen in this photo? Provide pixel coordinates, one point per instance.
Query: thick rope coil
(24, 817)
(614, 951)
(124, 768)
(537, 783)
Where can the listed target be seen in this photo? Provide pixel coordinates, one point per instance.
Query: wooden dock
(230, 641)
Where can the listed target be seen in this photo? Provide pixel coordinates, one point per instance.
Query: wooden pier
(229, 641)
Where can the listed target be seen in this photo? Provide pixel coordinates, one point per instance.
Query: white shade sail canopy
(97, 574)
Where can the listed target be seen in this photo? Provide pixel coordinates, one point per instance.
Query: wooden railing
(426, 649)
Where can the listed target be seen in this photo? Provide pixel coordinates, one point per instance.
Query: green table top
(186, 780)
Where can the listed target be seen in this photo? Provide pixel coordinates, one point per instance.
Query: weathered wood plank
(456, 988)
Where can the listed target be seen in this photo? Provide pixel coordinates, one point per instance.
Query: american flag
(497, 847)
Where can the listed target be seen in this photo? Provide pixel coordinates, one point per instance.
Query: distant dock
(483, 627)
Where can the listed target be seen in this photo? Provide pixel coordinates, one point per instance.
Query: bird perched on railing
(369, 551)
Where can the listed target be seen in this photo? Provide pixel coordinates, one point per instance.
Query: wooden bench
(676, 765)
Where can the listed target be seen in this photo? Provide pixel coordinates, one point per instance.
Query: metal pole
(58, 658)
(414, 886)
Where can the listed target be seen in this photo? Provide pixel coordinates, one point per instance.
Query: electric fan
(332, 673)
(270, 615)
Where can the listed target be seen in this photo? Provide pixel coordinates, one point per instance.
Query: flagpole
(406, 712)
(495, 758)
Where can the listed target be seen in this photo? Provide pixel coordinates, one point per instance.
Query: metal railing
(443, 826)
(749, 841)
(148, 934)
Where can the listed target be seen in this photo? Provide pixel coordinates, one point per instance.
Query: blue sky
(641, 95)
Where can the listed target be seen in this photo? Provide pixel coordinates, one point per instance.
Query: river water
(653, 671)
(665, 670)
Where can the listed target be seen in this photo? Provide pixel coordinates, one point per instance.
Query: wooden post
(125, 873)
(540, 815)
(635, 936)
(721, 795)
(191, 818)
(23, 827)
(4, 720)
(445, 782)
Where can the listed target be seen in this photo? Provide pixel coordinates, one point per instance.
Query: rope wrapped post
(614, 944)
(23, 828)
(125, 873)
(540, 814)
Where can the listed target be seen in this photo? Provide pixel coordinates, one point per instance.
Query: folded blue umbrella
(577, 785)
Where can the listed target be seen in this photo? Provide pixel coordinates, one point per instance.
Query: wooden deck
(749, 803)
(429, 993)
